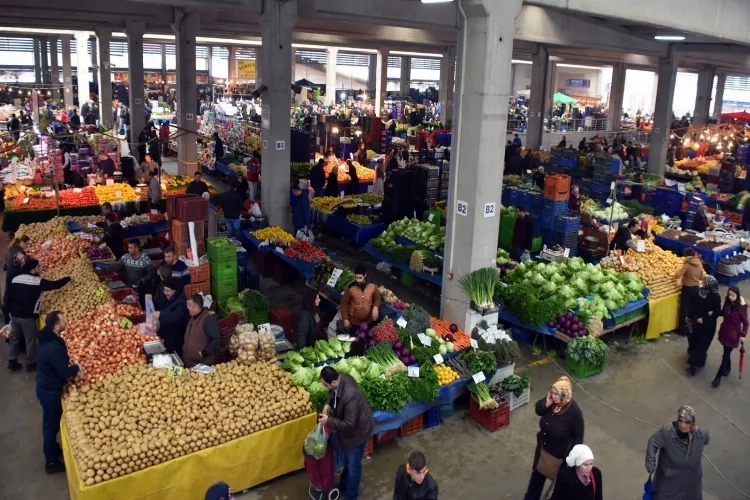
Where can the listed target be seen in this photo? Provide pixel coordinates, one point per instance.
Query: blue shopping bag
(648, 489)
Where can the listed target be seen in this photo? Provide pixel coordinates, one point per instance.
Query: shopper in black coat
(560, 429)
(413, 480)
(704, 314)
(332, 187)
(172, 316)
(580, 480)
(353, 186)
(308, 327)
(318, 178)
(52, 374)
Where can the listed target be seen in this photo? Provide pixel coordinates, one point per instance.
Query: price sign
(138, 190)
(640, 246)
(118, 194)
(462, 208)
(609, 201)
(528, 172)
(100, 292)
(424, 339)
(401, 322)
(125, 323)
(335, 275)
(25, 200)
(174, 372)
(566, 253)
(474, 344)
(438, 358)
(264, 328)
(70, 237)
(612, 185)
(430, 217)
(103, 245)
(77, 190)
(413, 371)
(478, 377)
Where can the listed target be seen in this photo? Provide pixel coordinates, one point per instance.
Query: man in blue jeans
(232, 205)
(53, 372)
(347, 413)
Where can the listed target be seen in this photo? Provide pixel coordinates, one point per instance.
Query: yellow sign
(246, 70)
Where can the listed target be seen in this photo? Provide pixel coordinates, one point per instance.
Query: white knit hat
(578, 455)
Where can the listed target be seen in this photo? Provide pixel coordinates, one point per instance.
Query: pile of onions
(62, 251)
(101, 346)
(124, 310)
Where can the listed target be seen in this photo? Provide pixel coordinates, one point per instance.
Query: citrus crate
(582, 370)
(492, 420)
(413, 426)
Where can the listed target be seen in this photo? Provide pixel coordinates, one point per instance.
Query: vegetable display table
(664, 319)
(436, 279)
(241, 463)
(224, 169)
(13, 219)
(360, 234)
(709, 256)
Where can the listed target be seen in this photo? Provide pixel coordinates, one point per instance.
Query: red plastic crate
(182, 248)
(181, 233)
(412, 426)
(264, 264)
(557, 187)
(107, 276)
(386, 436)
(369, 448)
(285, 319)
(120, 294)
(492, 420)
(172, 203)
(194, 288)
(199, 274)
(193, 208)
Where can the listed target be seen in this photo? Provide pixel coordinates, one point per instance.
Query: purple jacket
(734, 325)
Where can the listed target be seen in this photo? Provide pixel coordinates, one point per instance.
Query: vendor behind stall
(361, 300)
(180, 270)
(114, 235)
(197, 186)
(574, 203)
(172, 315)
(700, 222)
(106, 166)
(201, 336)
(138, 269)
(623, 239)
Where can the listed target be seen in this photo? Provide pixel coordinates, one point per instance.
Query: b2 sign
(489, 210)
(462, 208)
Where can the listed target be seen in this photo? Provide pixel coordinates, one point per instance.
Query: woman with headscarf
(733, 330)
(353, 186)
(574, 203)
(580, 480)
(678, 470)
(560, 429)
(332, 186)
(538, 178)
(705, 312)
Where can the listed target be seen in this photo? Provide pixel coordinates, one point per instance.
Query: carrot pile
(443, 329)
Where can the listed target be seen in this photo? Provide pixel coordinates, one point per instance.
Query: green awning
(563, 99)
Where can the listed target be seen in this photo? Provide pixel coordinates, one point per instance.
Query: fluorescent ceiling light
(578, 66)
(520, 61)
(669, 38)
(436, 1)
(208, 39)
(37, 31)
(415, 54)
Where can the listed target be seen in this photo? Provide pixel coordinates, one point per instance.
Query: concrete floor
(646, 381)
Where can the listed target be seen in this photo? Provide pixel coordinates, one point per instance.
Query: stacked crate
(433, 184)
(222, 254)
(184, 209)
(604, 174)
(445, 166)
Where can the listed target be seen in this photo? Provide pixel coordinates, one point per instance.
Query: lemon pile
(446, 375)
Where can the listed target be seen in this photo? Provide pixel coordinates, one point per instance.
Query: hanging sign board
(246, 70)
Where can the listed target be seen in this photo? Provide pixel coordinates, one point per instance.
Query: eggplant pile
(569, 324)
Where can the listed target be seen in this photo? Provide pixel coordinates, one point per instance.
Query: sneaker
(14, 365)
(54, 468)
(31, 367)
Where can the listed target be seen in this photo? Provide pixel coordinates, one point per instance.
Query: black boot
(14, 365)
(691, 370)
(726, 371)
(716, 381)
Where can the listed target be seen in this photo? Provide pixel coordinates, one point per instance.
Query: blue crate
(564, 162)
(565, 153)
(537, 224)
(567, 223)
(514, 197)
(242, 257)
(566, 239)
(547, 221)
(431, 418)
(602, 178)
(555, 207)
(666, 195)
(536, 201)
(600, 187)
(548, 236)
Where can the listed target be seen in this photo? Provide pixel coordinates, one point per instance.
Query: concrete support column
(210, 65)
(186, 29)
(721, 81)
(381, 81)
(259, 66)
(94, 61)
(447, 83)
(540, 66)
(485, 48)
(294, 66)
(405, 75)
(551, 86)
(44, 43)
(703, 96)
(67, 71)
(372, 75)
(82, 69)
(276, 25)
(164, 63)
(616, 96)
(134, 31)
(657, 157)
(330, 97)
(37, 61)
(54, 68)
(232, 64)
(103, 37)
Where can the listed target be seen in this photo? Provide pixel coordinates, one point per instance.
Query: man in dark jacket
(138, 269)
(413, 480)
(300, 210)
(232, 205)
(74, 120)
(54, 372)
(523, 234)
(14, 127)
(180, 270)
(318, 178)
(201, 335)
(197, 186)
(114, 236)
(25, 302)
(347, 413)
(172, 316)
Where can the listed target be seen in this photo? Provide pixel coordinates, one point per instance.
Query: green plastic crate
(536, 244)
(224, 272)
(406, 278)
(221, 249)
(582, 370)
(224, 289)
(628, 316)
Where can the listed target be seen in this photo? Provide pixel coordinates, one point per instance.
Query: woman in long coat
(733, 329)
(678, 469)
(706, 310)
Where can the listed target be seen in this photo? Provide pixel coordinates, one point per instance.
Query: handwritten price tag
(138, 190)
(77, 190)
(438, 359)
(264, 328)
(474, 344)
(424, 339)
(118, 194)
(478, 377)
(25, 200)
(413, 371)
(100, 292)
(401, 322)
(335, 275)
(125, 323)
(174, 372)
(430, 217)
(70, 237)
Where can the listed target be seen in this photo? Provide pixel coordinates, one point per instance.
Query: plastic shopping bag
(648, 489)
(316, 443)
(526, 257)
(152, 324)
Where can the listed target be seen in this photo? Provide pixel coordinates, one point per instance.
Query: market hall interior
(477, 42)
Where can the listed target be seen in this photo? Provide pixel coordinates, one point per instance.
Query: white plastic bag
(150, 309)
(526, 257)
(152, 324)
(316, 443)
(255, 210)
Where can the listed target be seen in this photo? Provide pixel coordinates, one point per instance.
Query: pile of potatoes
(139, 417)
(249, 346)
(39, 232)
(82, 295)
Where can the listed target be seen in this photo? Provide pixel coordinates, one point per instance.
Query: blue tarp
(360, 234)
(709, 256)
(506, 316)
(224, 169)
(432, 278)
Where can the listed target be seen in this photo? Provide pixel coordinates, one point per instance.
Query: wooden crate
(203, 287)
